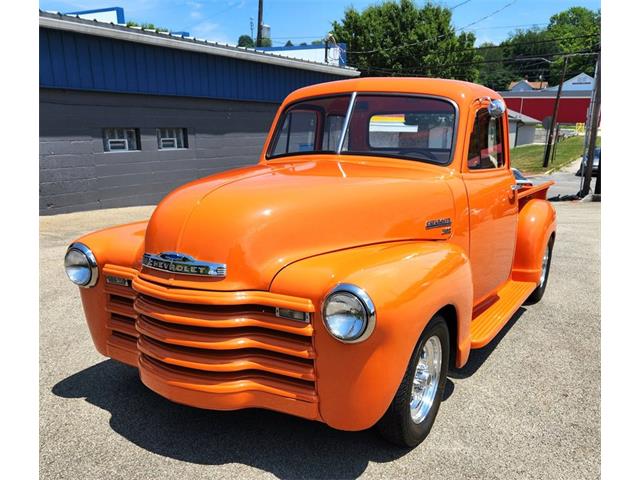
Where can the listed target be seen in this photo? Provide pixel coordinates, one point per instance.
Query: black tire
(396, 425)
(538, 293)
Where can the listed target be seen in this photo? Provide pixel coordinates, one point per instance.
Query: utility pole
(251, 26)
(593, 136)
(590, 111)
(552, 127)
(259, 33)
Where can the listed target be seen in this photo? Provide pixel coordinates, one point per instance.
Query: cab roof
(457, 90)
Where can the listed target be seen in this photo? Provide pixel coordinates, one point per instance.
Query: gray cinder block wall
(77, 174)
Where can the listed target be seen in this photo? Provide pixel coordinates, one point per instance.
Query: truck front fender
(536, 224)
(409, 282)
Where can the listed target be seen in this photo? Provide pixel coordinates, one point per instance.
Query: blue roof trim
(119, 12)
(77, 61)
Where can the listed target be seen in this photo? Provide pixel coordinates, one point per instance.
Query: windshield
(403, 126)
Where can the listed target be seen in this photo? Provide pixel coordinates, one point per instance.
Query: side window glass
(332, 131)
(486, 148)
(297, 134)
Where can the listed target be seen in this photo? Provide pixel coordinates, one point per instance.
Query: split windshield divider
(347, 120)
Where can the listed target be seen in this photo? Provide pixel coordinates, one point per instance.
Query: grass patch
(528, 158)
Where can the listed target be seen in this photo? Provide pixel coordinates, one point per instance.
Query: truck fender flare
(536, 225)
(409, 282)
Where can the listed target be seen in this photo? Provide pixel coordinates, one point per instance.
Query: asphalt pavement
(525, 406)
(567, 183)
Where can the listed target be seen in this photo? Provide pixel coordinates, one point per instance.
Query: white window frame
(175, 135)
(119, 135)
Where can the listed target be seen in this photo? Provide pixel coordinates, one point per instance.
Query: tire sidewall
(416, 432)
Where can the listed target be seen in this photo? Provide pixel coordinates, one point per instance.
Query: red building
(574, 102)
(539, 104)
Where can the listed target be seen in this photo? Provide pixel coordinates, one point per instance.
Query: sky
(306, 20)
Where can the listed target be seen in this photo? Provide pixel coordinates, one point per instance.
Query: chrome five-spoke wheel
(543, 279)
(415, 405)
(426, 379)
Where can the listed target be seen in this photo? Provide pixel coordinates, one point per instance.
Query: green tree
(524, 50)
(245, 41)
(288, 44)
(493, 72)
(146, 26)
(265, 42)
(576, 30)
(401, 38)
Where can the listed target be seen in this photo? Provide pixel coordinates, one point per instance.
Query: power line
(536, 42)
(459, 5)
(491, 14)
(511, 45)
(498, 27)
(486, 62)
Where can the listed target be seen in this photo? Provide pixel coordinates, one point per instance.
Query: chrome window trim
(347, 120)
(86, 251)
(364, 298)
(282, 117)
(345, 127)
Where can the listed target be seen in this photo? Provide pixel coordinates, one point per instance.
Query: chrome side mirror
(496, 108)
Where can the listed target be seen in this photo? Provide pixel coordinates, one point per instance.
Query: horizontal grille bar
(224, 339)
(121, 306)
(230, 383)
(208, 297)
(122, 324)
(213, 317)
(226, 361)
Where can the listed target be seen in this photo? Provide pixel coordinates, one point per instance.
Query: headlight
(80, 265)
(348, 313)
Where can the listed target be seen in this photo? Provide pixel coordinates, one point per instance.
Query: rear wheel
(538, 293)
(413, 410)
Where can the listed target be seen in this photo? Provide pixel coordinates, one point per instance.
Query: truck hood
(257, 220)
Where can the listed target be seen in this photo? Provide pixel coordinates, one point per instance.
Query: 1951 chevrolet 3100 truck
(380, 237)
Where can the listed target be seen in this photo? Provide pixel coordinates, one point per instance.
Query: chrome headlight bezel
(92, 264)
(367, 305)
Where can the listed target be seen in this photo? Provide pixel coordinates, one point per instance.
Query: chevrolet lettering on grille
(184, 264)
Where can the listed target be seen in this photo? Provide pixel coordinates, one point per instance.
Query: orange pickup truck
(380, 237)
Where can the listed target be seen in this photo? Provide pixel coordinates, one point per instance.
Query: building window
(171, 138)
(121, 139)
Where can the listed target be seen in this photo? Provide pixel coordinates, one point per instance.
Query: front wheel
(537, 294)
(413, 410)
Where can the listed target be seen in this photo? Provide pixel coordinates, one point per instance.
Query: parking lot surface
(525, 406)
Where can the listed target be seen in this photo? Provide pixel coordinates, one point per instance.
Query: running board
(486, 325)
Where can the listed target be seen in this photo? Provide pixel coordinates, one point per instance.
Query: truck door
(493, 207)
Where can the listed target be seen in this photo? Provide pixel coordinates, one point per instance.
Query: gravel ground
(526, 406)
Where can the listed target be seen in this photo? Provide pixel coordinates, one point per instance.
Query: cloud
(195, 10)
(209, 31)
